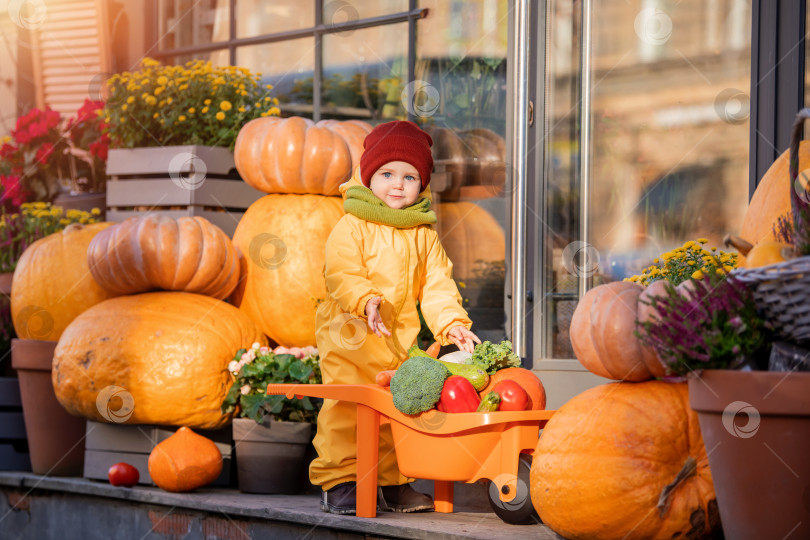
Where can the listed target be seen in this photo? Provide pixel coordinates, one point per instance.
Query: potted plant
(755, 423)
(272, 433)
(172, 130)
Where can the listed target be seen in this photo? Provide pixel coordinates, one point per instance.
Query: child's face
(397, 184)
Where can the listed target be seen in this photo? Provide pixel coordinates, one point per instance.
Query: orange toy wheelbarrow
(445, 448)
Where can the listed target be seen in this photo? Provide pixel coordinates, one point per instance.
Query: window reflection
(669, 148)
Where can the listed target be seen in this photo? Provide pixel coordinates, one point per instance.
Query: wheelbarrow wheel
(519, 510)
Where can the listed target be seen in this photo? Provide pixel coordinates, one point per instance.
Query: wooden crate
(13, 441)
(108, 444)
(177, 181)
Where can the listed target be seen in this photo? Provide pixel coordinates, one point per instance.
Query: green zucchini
(477, 376)
(490, 403)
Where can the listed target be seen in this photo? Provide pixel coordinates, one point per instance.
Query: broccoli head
(417, 384)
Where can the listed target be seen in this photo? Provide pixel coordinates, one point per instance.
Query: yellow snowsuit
(363, 260)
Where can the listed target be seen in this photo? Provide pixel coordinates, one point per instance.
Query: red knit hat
(397, 141)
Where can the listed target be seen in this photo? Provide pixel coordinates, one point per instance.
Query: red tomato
(513, 396)
(123, 474)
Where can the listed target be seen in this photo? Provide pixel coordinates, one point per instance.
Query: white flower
(255, 345)
(264, 350)
(245, 389)
(233, 367)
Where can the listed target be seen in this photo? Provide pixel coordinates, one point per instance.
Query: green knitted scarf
(362, 203)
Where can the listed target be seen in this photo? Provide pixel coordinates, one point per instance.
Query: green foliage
(254, 369)
(491, 357)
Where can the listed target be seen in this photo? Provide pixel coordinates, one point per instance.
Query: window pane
(669, 147)
(288, 66)
(459, 96)
(257, 17)
(183, 23)
(362, 69)
(341, 11)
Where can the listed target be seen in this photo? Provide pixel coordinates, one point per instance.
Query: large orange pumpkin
(296, 155)
(469, 234)
(159, 252)
(184, 462)
(625, 460)
(526, 379)
(52, 284)
(603, 334)
(282, 240)
(152, 358)
(771, 199)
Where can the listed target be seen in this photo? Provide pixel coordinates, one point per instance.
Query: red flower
(12, 190)
(44, 152)
(99, 150)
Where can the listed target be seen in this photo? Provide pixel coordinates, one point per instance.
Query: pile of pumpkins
(627, 459)
(158, 306)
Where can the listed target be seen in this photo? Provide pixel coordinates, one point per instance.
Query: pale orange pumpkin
(52, 284)
(526, 379)
(625, 460)
(167, 353)
(159, 252)
(603, 334)
(184, 461)
(771, 200)
(296, 155)
(282, 242)
(469, 233)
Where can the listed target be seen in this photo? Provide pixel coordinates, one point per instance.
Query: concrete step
(43, 507)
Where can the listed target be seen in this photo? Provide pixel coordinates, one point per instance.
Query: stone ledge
(297, 509)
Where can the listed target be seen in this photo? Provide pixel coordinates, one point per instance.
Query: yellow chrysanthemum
(192, 110)
(131, 99)
(162, 80)
(181, 118)
(207, 102)
(124, 107)
(225, 105)
(204, 110)
(697, 274)
(220, 115)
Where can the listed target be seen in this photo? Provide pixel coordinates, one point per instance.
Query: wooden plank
(58, 41)
(141, 439)
(13, 460)
(71, 53)
(161, 160)
(10, 392)
(12, 425)
(167, 192)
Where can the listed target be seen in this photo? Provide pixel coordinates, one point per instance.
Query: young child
(381, 258)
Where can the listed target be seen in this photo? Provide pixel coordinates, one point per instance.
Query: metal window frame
(777, 80)
(317, 31)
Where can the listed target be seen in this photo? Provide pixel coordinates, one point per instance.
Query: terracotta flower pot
(270, 456)
(756, 427)
(55, 438)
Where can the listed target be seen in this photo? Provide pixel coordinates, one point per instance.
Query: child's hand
(374, 319)
(463, 338)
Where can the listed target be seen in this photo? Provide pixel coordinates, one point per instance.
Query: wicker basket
(782, 292)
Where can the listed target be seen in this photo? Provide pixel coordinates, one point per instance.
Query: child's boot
(404, 499)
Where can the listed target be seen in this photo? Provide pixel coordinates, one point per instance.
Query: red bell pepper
(458, 395)
(513, 396)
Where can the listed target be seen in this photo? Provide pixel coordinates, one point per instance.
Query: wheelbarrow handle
(379, 399)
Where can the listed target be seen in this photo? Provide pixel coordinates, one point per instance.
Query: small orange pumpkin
(625, 460)
(159, 252)
(603, 334)
(526, 379)
(184, 462)
(296, 155)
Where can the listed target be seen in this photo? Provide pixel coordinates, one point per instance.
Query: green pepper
(490, 403)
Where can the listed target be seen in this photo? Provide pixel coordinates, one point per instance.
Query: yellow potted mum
(179, 123)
